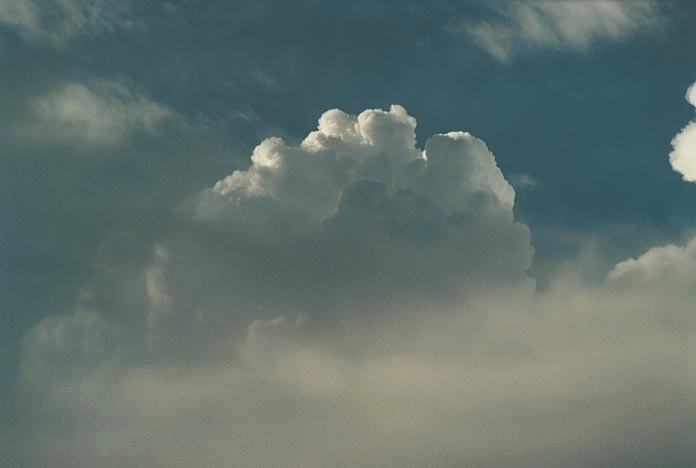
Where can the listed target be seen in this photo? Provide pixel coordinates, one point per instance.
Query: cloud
(669, 266)
(92, 114)
(265, 80)
(68, 346)
(577, 377)
(524, 181)
(524, 27)
(56, 22)
(378, 146)
(359, 214)
(683, 156)
(358, 290)
(691, 94)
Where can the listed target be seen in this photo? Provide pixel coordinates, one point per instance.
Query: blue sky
(129, 249)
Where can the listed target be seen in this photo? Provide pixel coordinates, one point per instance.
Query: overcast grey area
(347, 234)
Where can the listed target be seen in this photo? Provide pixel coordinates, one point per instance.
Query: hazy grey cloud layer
(529, 26)
(355, 300)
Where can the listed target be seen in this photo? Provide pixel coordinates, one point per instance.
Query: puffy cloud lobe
(683, 156)
(93, 114)
(378, 146)
(456, 172)
(666, 267)
(526, 26)
(691, 94)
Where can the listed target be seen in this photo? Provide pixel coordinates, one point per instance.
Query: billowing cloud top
(683, 156)
(456, 169)
(385, 214)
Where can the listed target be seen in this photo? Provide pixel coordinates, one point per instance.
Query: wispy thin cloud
(524, 27)
(93, 113)
(56, 22)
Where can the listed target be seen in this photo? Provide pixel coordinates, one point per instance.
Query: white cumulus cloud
(683, 156)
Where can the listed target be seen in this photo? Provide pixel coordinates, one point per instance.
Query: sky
(347, 234)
